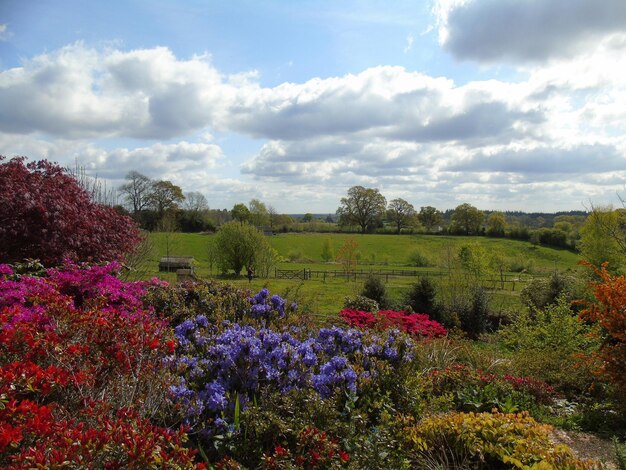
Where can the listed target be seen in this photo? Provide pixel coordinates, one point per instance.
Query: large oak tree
(364, 207)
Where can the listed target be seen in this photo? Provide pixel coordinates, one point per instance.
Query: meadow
(324, 296)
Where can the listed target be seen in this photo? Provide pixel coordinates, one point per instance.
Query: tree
(467, 219)
(259, 216)
(45, 214)
(240, 213)
(308, 217)
(195, 202)
(136, 192)
(400, 212)
(347, 255)
(274, 216)
(603, 237)
(496, 224)
(327, 250)
(364, 207)
(429, 217)
(165, 196)
(237, 245)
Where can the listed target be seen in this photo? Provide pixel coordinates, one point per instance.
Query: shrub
(360, 302)
(541, 292)
(237, 245)
(548, 346)
(415, 323)
(82, 373)
(474, 315)
(216, 301)
(47, 215)
(489, 440)
(421, 297)
(608, 311)
(418, 259)
(374, 288)
(314, 450)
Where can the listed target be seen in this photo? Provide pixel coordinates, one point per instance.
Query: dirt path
(587, 446)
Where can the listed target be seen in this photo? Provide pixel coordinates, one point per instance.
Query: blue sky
(505, 104)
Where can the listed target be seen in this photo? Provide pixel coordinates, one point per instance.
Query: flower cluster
(218, 367)
(75, 341)
(416, 324)
(266, 307)
(314, 450)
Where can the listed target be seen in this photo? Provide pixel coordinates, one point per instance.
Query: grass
(377, 252)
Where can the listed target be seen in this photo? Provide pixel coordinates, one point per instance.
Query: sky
(503, 104)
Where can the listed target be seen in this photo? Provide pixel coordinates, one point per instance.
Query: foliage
(429, 217)
(400, 213)
(240, 212)
(359, 302)
(327, 251)
(603, 239)
(374, 288)
(165, 196)
(549, 237)
(464, 388)
(548, 344)
(542, 292)
(418, 259)
(259, 216)
(466, 219)
(238, 245)
(489, 440)
(421, 297)
(347, 254)
(314, 450)
(364, 207)
(608, 311)
(496, 223)
(414, 323)
(82, 373)
(46, 215)
(136, 191)
(214, 300)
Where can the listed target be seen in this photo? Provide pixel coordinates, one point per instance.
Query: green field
(377, 253)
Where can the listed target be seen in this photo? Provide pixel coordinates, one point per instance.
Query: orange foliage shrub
(609, 312)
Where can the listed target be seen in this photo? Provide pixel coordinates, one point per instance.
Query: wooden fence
(500, 282)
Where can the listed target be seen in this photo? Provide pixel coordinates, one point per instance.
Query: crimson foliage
(45, 214)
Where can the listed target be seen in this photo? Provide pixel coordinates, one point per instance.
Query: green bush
(419, 260)
(374, 288)
(421, 298)
(546, 345)
(360, 302)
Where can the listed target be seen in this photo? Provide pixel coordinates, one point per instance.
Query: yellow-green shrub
(487, 440)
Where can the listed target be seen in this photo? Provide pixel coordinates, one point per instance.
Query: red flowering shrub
(314, 450)
(417, 324)
(81, 373)
(609, 312)
(46, 215)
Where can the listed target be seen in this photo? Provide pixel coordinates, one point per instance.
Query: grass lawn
(377, 252)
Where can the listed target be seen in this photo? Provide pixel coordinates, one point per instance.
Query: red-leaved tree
(45, 214)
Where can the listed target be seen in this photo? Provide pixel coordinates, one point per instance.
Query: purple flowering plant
(221, 365)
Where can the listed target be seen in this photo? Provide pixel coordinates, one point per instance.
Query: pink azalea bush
(417, 324)
(82, 373)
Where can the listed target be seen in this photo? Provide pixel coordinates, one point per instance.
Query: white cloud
(78, 92)
(409, 43)
(526, 30)
(5, 34)
(405, 132)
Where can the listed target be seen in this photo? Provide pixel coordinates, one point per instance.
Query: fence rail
(500, 282)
